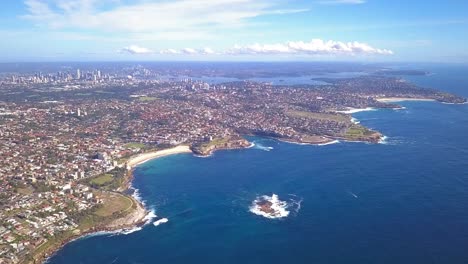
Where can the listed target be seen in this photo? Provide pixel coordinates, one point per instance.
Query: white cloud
(146, 17)
(208, 51)
(313, 47)
(342, 2)
(134, 49)
(169, 51)
(189, 51)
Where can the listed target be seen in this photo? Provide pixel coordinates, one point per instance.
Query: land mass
(69, 142)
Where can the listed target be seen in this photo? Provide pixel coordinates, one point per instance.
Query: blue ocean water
(405, 201)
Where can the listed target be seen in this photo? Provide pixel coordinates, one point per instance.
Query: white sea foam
(329, 143)
(355, 121)
(297, 205)
(261, 147)
(279, 207)
(356, 110)
(136, 195)
(203, 156)
(150, 216)
(161, 221)
(383, 140)
(100, 233)
(454, 103)
(147, 220)
(129, 231)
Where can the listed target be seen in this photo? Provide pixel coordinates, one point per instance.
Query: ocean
(402, 201)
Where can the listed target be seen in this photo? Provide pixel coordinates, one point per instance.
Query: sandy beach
(401, 99)
(356, 110)
(142, 158)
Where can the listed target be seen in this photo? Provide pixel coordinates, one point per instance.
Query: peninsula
(69, 142)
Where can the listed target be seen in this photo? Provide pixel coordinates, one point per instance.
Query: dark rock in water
(265, 206)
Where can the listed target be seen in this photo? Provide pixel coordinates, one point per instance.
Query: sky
(237, 30)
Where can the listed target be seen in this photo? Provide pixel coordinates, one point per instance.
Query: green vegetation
(114, 204)
(25, 191)
(147, 99)
(135, 145)
(318, 116)
(357, 132)
(102, 179)
(110, 181)
(215, 142)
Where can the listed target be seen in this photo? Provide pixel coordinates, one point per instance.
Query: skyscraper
(78, 74)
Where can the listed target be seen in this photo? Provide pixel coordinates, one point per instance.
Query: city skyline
(233, 30)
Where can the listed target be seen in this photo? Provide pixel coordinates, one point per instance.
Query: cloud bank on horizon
(314, 47)
(185, 19)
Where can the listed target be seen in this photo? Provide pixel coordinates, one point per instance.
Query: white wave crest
(383, 140)
(161, 221)
(278, 207)
(329, 143)
(129, 231)
(136, 195)
(355, 121)
(261, 147)
(147, 220)
(150, 216)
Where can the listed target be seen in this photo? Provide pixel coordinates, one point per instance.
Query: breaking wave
(160, 221)
(150, 216)
(261, 147)
(329, 143)
(355, 121)
(383, 140)
(276, 207)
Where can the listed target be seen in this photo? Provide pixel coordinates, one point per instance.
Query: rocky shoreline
(129, 221)
(137, 217)
(208, 148)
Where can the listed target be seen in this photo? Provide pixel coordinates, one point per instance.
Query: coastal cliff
(117, 213)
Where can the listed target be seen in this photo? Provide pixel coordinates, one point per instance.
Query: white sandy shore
(356, 110)
(142, 158)
(401, 99)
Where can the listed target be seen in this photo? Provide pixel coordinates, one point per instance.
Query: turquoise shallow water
(405, 201)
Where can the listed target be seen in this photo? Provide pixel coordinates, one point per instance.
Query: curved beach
(142, 158)
(132, 221)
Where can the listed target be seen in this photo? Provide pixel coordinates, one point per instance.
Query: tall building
(78, 74)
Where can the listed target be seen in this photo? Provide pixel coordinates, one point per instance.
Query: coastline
(402, 99)
(356, 110)
(145, 157)
(123, 225)
(128, 223)
(141, 216)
